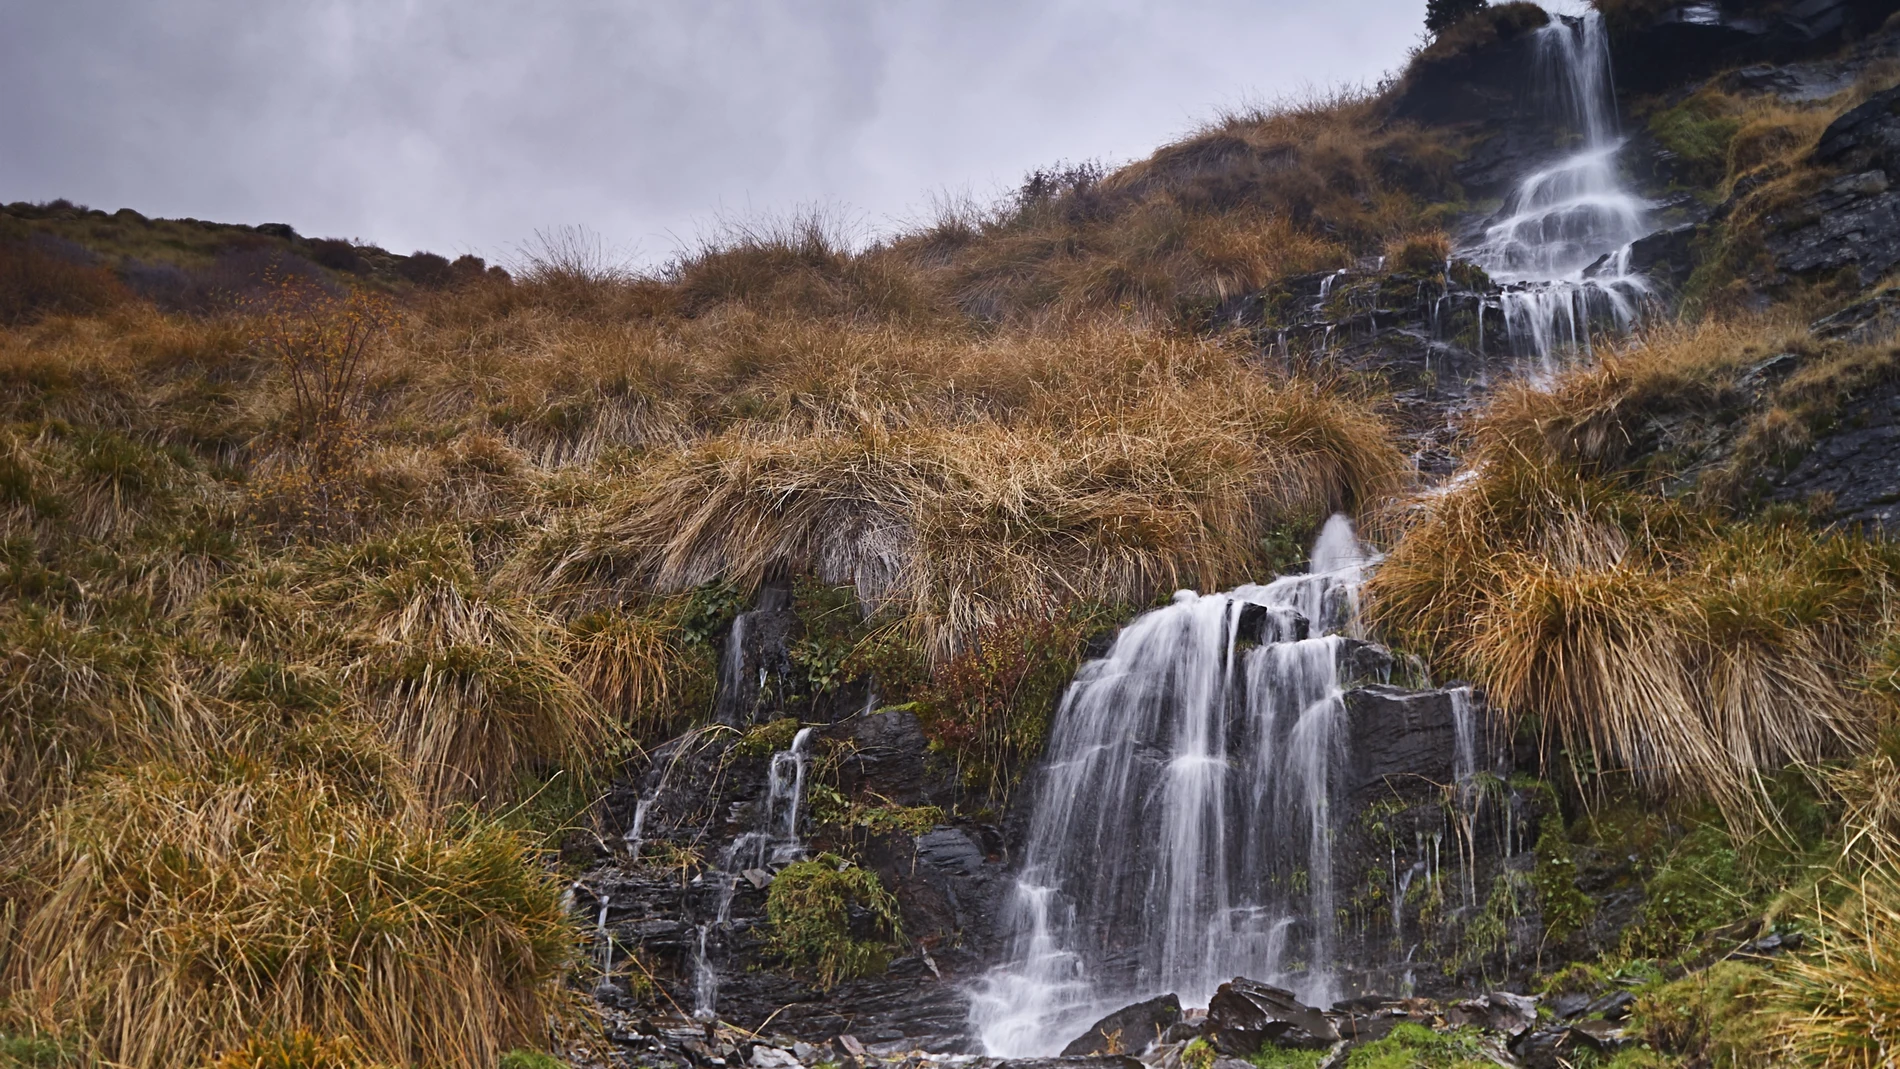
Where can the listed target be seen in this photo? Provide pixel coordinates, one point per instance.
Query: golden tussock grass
(1643, 633)
(1257, 196)
(1112, 494)
(172, 910)
(1838, 1005)
(1757, 151)
(471, 683)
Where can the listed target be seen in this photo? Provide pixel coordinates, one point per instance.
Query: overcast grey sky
(467, 125)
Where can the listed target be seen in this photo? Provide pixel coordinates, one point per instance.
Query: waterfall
(1181, 828)
(1560, 248)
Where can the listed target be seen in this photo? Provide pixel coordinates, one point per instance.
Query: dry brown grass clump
(470, 683)
(1157, 478)
(176, 909)
(1641, 632)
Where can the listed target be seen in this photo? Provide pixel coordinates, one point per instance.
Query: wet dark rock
(1611, 1007)
(1260, 623)
(1691, 40)
(1499, 1011)
(1667, 256)
(1402, 734)
(1243, 1014)
(1180, 1032)
(953, 850)
(1850, 476)
(1564, 1006)
(1863, 321)
(1431, 338)
(1866, 138)
(1764, 376)
(1364, 662)
(1546, 1048)
(1485, 85)
(1854, 223)
(888, 755)
(1795, 83)
(1600, 1036)
(755, 665)
(1130, 1029)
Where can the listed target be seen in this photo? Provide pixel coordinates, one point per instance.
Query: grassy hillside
(338, 583)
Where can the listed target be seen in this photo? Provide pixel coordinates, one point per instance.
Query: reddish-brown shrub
(38, 279)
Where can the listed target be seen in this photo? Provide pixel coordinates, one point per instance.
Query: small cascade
(1182, 831)
(1468, 792)
(1560, 248)
(705, 980)
(634, 838)
(605, 959)
(740, 691)
(772, 843)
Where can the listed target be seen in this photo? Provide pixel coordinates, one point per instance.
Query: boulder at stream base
(1128, 1030)
(1244, 1014)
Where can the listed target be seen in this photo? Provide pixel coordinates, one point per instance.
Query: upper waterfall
(1560, 246)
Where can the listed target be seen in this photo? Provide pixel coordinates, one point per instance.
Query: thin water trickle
(634, 837)
(1181, 833)
(1560, 249)
(705, 980)
(606, 940)
(773, 841)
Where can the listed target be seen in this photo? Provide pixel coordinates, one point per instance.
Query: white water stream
(773, 843)
(1181, 831)
(1560, 248)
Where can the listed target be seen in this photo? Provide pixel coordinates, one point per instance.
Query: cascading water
(1560, 248)
(1181, 832)
(774, 841)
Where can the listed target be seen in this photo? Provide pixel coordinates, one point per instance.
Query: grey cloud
(456, 126)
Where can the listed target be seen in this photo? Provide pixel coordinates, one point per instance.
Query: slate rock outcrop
(1131, 1029)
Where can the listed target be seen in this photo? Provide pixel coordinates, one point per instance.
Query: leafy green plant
(764, 740)
(1700, 885)
(810, 905)
(1489, 932)
(1698, 131)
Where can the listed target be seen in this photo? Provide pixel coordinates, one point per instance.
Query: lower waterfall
(1180, 831)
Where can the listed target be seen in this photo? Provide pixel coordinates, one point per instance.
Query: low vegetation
(810, 905)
